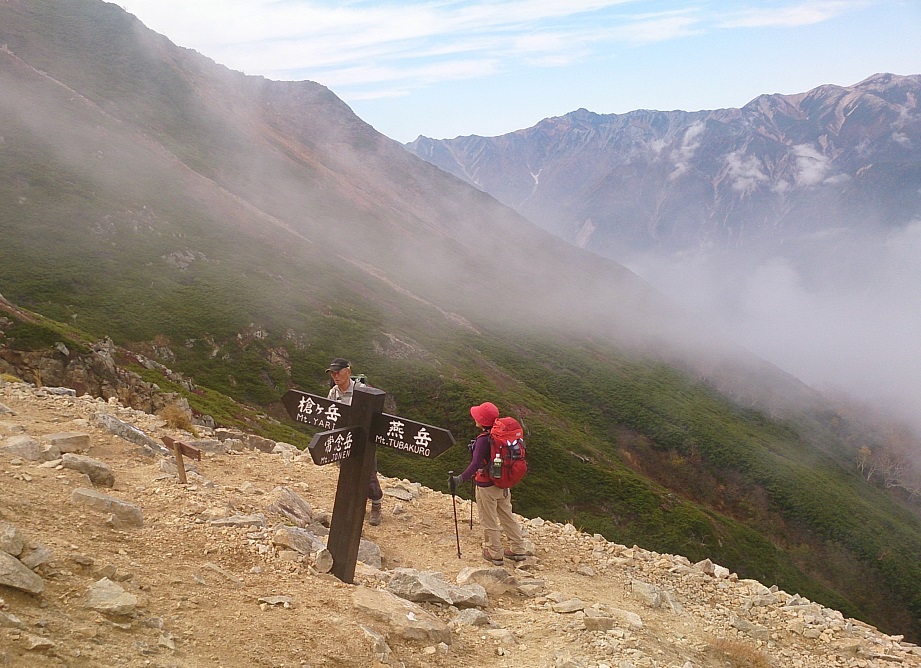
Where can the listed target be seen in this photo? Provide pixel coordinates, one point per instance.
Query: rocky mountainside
(783, 171)
(106, 559)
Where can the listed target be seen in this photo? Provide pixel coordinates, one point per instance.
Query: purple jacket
(478, 458)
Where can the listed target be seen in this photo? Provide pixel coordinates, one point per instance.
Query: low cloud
(689, 145)
(848, 326)
(811, 166)
(744, 171)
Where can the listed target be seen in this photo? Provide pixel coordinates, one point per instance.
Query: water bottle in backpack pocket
(507, 463)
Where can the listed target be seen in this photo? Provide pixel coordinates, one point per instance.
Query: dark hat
(338, 364)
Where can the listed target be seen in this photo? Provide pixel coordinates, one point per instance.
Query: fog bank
(847, 321)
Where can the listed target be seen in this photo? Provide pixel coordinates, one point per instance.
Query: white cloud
(790, 16)
(333, 43)
(320, 33)
(811, 166)
(850, 324)
(657, 28)
(745, 171)
(689, 145)
(902, 138)
(422, 72)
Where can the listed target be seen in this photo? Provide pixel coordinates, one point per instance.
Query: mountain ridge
(774, 162)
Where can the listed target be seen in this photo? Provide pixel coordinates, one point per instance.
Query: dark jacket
(478, 458)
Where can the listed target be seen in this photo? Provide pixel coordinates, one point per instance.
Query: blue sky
(443, 69)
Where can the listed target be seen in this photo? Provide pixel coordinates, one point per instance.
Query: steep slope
(246, 231)
(278, 161)
(212, 574)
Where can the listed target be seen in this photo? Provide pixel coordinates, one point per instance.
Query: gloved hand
(455, 481)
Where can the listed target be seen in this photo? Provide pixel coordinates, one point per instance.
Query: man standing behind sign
(494, 504)
(340, 370)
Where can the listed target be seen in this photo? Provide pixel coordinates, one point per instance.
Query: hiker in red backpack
(494, 504)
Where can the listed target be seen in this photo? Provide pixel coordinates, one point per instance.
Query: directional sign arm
(392, 431)
(334, 446)
(315, 410)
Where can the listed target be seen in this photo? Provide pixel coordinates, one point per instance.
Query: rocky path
(106, 560)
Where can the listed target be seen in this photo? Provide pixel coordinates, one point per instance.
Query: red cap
(485, 414)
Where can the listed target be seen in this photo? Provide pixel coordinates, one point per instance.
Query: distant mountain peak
(768, 172)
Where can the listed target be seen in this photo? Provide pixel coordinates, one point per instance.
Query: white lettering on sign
(334, 457)
(396, 429)
(339, 441)
(313, 412)
(336, 447)
(416, 446)
(423, 438)
(308, 406)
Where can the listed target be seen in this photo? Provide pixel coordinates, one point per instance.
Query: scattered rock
(422, 586)
(13, 573)
(240, 521)
(11, 539)
(130, 433)
(284, 601)
(276, 539)
(287, 503)
(402, 618)
(568, 606)
(109, 598)
(128, 513)
(68, 442)
(22, 446)
(297, 539)
(98, 472)
(495, 580)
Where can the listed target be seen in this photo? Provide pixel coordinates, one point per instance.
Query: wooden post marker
(352, 436)
(179, 448)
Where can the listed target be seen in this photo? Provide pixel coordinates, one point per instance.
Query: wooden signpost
(351, 438)
(179, 448)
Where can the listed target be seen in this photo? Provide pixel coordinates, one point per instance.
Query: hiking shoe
(515, 556)
(491, 559)
(375, 517)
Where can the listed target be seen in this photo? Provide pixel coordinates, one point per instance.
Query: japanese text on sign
(396, 437)
(336, 447)
(317, 414)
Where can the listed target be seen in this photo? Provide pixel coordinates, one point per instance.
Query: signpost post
(351, 438)
(179, 448)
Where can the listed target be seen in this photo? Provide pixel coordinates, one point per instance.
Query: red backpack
(507, 463)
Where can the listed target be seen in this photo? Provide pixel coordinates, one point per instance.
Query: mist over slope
(272, 160)
(245, 231)
(135, 156)
(791, 224)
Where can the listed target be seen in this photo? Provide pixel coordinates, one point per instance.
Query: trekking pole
(454, 504)
(473, 492)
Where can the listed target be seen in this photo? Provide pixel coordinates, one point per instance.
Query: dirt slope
(199, 585)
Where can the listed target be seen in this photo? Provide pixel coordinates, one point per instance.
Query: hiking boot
(515, 556)
(496, 561)
(375, 517)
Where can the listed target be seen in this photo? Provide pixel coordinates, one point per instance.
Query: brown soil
(189, 615)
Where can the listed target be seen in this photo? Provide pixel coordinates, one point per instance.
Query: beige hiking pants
(494, 506)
